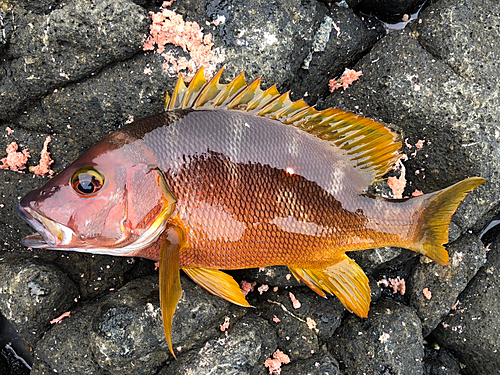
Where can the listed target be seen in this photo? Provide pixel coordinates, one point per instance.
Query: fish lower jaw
(50, 234)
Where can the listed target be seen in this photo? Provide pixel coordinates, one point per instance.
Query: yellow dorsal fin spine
(195, 86)
(241, 99)
(210, 91)
(177, 96)
(372, 146)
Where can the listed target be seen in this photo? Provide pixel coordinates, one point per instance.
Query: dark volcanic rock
(124, 332)
(389, 341)
(67, 45)
(467, 255)
(322, 364)
(339, 42)
(472, 331)
(450, 31)
(246, 345)
(33, 293)
(65, 348)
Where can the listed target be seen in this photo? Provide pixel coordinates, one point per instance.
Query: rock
(33, 293)
(389, 11)
(467, 255)
(65, 348)
(325, 315)
(261, 38)
(404, 85)
(67, 45)
(318, 364)
(242, 350)
(390, 340)
(451, 31)
(339, 42)
(279, 276)
(472, 330)
(440, 362)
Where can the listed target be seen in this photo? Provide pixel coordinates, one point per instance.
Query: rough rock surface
(32, 294)
(375, 345)
(467, 255)
(75, 70)
(472, 330)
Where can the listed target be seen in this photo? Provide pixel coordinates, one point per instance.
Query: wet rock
(128, 329)
(404, 85)
(321, 364)
(243, 350)
(390, 340)
(472, 330)
(341, 40)
(93, 274)
(67, 45)
(467, 255)
(33, 293)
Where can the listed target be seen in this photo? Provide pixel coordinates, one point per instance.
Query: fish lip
(49, 233)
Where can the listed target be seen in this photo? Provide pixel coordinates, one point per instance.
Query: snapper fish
(231, 176)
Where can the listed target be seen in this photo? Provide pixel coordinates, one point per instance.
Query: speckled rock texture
(472, 329)
(76, 71)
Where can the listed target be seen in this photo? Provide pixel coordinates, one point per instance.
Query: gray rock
(467, 255)
(339, 42)
(268, 39)
(272, 276)
(466, 36)
(404, 85)
(318, 364)
(32, 293)
(67, 45)
(472, 331)
(325, 312)
(65, 348)
(389, 341)
(242, 350)
(124, 332)
(440, 362)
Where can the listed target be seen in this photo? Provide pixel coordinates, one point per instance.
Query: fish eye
(87, 181)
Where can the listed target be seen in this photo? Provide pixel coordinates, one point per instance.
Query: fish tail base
(438, 209)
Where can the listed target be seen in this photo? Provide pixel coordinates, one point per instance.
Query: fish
(232, 176)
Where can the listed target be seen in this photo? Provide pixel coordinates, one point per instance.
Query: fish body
(231, 176)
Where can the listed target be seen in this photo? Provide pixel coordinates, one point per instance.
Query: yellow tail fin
(434, 222)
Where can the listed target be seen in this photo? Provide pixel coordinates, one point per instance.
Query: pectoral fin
(218, 283)
(170, 282)
(345, 279)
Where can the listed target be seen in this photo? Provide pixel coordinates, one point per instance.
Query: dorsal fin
(371, 145)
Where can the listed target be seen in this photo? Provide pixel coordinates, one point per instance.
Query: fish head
(109, 201)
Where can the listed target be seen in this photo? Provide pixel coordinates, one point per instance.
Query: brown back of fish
(253, 192)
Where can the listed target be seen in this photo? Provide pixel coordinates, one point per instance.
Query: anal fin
(345, 279)
(170, 282)
(218, 283)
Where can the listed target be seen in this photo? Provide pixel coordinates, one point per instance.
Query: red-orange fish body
(230, 177)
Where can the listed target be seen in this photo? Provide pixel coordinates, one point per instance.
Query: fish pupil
(86, 187)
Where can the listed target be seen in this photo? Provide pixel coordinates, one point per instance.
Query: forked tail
(436, 211)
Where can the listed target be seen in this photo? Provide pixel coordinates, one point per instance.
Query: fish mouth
(50, 235)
